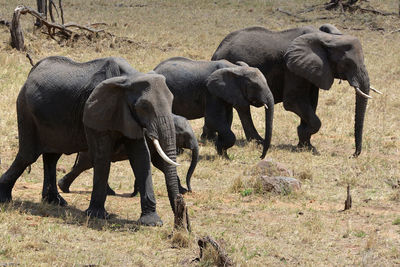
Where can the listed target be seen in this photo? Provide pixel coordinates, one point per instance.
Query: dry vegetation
(303, 228)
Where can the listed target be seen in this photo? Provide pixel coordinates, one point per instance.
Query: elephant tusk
(376, 90)
(361, 93)
(265, 105)
(162, 154)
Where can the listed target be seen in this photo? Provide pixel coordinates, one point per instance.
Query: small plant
(360, 234)
(246, 192)
(396, 221)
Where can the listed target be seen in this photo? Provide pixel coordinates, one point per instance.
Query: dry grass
(305, 228)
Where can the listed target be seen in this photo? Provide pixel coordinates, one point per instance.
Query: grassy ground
(303, 228)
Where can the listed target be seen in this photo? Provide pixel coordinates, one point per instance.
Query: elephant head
(242, 86)
(185, 138)
(136, 105)
(320, 57)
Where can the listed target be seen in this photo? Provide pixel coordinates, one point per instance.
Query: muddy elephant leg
(8, 179)
(248, 125)
(139, 158)
(49, 192)
(100, 148)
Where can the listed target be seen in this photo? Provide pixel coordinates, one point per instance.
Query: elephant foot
(5, 193)
(99, 213)
(55, 199)
(64, 186)
(110, 192)
(134, 193)
(308, 147)
(150, 219)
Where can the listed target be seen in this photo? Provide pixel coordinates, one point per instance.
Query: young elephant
(211, 88)
(185, 138)
(66, 107)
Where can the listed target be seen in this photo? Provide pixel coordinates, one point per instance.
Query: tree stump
(181, 215)
(17, 37)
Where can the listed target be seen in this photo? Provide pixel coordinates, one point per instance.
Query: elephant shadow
(71, 215)
(84, 192)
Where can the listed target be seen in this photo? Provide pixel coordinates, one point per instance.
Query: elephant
(210, 89)
(66, 107)
(296, 63)
(185, 138)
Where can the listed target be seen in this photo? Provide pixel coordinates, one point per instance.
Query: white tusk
(265, 105)
(376, 90)
(162, 154)
(361, 93)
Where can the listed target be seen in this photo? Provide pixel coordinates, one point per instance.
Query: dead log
(17, 37)
(223, 259)
(181, 215)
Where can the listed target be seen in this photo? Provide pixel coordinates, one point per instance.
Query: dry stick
(51, 4)
(31, 61)
(348, 201)
(181, 215)
(61, 11)
(73, 24)
(223, 259)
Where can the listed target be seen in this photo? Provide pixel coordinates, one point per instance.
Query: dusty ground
(303, 228)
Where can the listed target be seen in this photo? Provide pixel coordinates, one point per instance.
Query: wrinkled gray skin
(210, 89)
(64, 103)
(296, 63)
(185, 138)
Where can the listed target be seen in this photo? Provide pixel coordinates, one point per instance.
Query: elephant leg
(100, 149)
(8, 179)
(49, 192)
(82, 163)
(219, 118)
(248, 125)
(139, 158)
(304, 131)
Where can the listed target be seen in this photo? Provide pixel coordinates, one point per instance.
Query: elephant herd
(106, 111)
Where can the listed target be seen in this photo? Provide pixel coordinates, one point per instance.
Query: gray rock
(278, 184)
(271, 168)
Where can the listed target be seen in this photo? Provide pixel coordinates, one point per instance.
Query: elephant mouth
(162, 153)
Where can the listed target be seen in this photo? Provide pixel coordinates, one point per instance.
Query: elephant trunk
(269, 116)
(166, 135)
(193, 164)
(361, 82)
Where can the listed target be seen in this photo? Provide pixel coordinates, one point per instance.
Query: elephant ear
(307, 57)
(227, 84)
(329, 28)
(107, 108)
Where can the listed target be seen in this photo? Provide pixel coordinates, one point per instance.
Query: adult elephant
(296, 63)
(66, 107)
(210, 89)
(185, 138)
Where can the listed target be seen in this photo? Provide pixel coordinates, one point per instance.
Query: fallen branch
(223, 259)
(17, 39)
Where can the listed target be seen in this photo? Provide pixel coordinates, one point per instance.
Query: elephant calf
(211, 88)
(185, 138)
